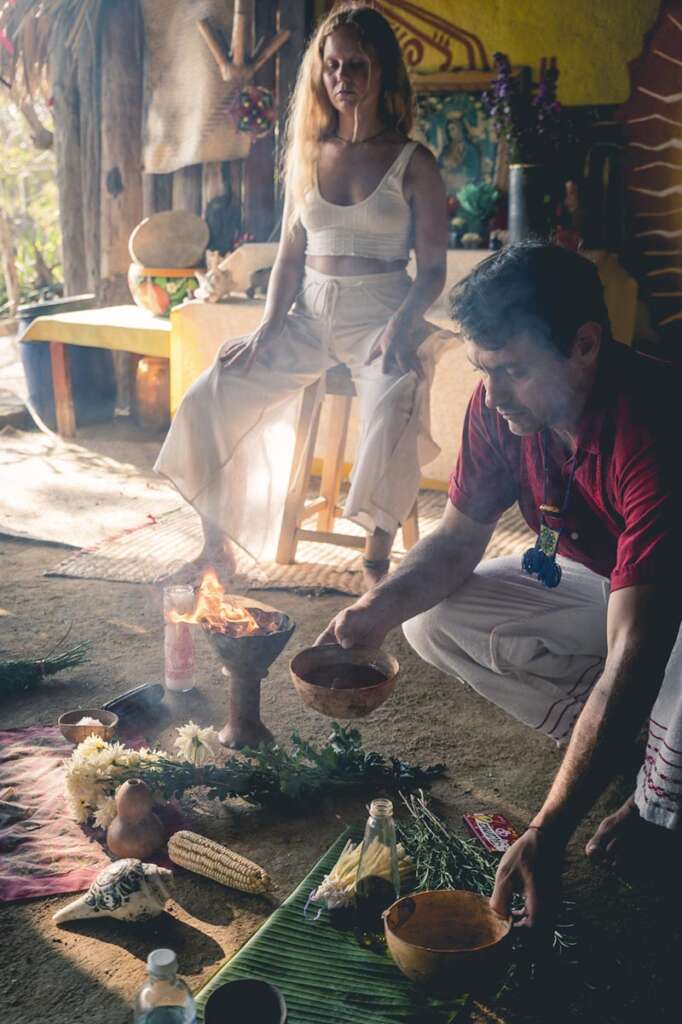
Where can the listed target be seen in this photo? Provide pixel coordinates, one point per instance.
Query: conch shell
(127, 890)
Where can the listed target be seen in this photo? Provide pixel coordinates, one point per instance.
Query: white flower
(106, 812)
(90, 745)
(81, 790)
(196, 745)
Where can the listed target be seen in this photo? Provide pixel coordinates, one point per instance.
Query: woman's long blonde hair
(312, 118)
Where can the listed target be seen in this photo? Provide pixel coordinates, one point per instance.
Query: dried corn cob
(337, 889)
(206, 857)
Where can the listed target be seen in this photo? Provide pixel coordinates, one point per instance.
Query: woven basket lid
(174, 238)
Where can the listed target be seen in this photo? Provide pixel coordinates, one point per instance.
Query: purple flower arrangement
(529, 122)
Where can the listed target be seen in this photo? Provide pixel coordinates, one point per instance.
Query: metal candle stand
(246, 659)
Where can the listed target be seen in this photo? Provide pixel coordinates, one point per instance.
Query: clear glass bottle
(378, 878)
(164, 998)
(178, 639)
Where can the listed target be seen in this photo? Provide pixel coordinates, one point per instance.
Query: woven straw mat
(148, 554)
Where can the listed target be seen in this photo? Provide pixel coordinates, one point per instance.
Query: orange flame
(214, 611)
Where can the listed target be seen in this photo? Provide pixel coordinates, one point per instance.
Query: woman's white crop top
(376, 228)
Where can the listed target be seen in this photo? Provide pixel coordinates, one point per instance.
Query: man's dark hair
(533, 289)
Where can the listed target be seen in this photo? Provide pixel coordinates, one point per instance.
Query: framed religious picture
(451, 121)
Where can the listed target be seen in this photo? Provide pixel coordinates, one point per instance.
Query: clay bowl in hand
(248, 999)
(77, 733)
(448, 940)
(343, 683)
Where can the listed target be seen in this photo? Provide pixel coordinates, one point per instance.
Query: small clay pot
(135, 831)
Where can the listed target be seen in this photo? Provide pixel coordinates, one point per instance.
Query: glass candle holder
(178, 639)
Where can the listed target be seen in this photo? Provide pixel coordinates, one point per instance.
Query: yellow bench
(122, 328)
(189, 341)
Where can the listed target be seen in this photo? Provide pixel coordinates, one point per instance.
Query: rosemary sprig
(274, 775)
(443, 860)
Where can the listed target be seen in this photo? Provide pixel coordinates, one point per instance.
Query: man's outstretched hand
(360, 624)
(532, 867)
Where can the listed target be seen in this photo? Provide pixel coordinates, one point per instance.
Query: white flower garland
(93, 771)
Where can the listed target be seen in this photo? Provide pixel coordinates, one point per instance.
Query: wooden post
(88, 69)
(121, 171)
(304, 450)
(187, 189)
(334, 451)
(9, 261)
(61, 383)
(157, 193)
(67, 148)
(292, 16)
(259, 170)
(212, 183)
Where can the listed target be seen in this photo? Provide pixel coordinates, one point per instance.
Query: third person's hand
(532, 867)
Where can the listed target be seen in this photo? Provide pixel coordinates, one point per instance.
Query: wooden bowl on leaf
(448, 940)
(343, 682)
(75, 733)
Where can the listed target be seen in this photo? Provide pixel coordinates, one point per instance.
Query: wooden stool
(339, 392)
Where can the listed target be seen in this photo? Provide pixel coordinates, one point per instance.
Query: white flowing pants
(537, 653)
(230, 447)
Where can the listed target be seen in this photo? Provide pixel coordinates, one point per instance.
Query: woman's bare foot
(616, 833)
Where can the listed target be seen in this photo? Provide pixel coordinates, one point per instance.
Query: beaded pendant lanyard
(540, 560)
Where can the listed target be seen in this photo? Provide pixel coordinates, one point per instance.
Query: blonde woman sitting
(357, 192)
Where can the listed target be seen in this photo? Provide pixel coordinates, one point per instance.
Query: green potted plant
(478, 203)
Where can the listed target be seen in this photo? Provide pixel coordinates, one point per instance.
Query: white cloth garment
(537, 652)
(230, 447)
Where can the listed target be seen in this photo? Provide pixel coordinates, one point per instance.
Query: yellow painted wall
(592, 39)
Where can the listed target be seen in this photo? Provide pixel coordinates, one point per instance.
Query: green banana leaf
(325, 975)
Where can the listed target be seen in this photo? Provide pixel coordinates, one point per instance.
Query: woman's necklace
(357, 142)
(540, 560)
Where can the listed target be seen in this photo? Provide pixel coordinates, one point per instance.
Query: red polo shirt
(624, 517)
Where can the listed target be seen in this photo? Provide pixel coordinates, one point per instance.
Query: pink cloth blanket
(46, 852)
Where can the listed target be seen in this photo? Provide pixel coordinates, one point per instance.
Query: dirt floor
(628, 935)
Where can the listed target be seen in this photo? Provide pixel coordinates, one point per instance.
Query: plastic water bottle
(164, 998)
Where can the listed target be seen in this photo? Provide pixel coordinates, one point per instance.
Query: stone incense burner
(248, 635)
(247, 653)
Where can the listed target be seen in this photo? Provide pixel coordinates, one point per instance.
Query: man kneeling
(583, 433)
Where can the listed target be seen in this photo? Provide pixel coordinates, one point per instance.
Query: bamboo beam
(213, 39)
(238, 46)
(270, 50)
(233, 64)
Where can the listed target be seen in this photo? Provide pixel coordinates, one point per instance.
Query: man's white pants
(537, 652)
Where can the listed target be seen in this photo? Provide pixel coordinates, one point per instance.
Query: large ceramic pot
(151, 395)
(160, 289)
(528, 207)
